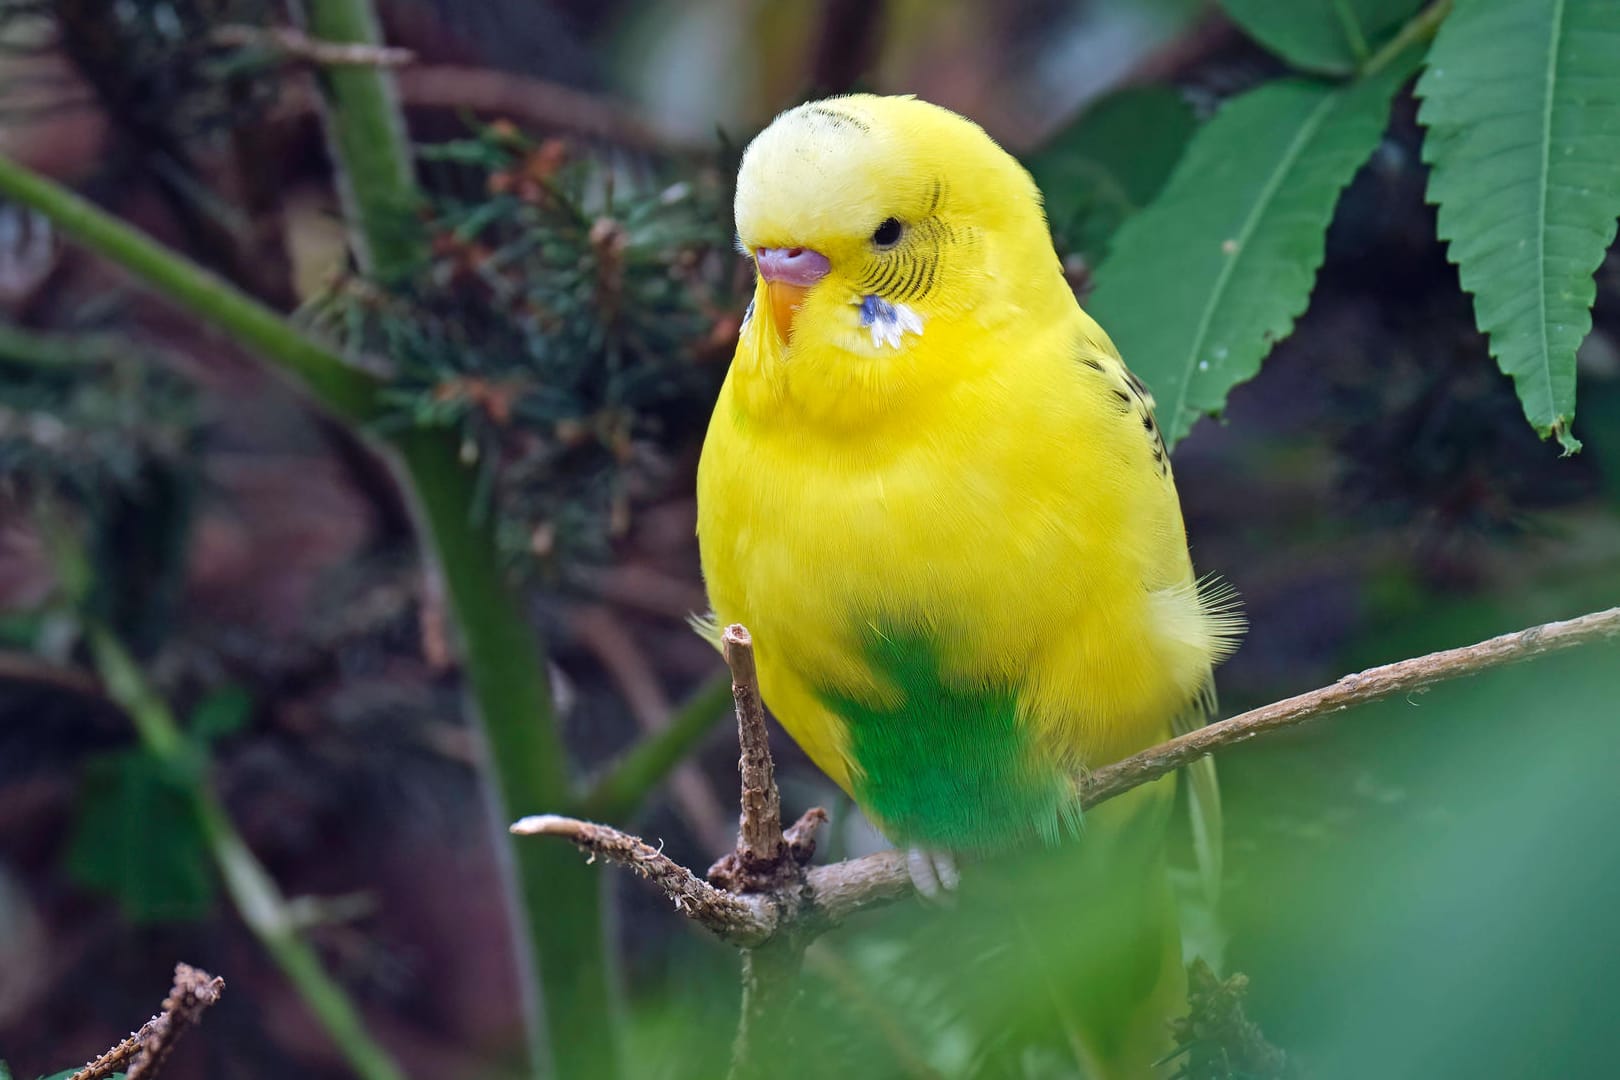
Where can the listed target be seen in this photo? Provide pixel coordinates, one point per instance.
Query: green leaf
(1521, 100)
(222, 713)
(138, 839)
(1205, 281)
(1110, 163)
(1331, 37)
(65, 1074)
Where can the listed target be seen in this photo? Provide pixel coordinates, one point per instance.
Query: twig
(741, 920)
(116, 1058)
(194, 990)
(1365, 686)
(606, 635)
(535, 101)
(620, 790)
(297, 45)
(26, 667)
(759, 837)
(827, 895)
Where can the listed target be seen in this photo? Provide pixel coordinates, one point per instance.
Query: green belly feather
(948, 764)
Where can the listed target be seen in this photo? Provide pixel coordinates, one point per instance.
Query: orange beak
(789, 273)
(786, 299)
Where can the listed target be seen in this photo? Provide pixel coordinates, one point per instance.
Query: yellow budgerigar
(941, 503)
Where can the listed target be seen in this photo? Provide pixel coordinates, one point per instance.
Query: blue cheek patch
(888, 322)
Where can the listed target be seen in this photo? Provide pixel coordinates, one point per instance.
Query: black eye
(888, 233)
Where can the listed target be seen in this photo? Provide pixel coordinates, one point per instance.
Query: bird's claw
(933, 873)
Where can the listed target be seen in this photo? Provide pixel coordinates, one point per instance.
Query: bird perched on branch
(941, 503)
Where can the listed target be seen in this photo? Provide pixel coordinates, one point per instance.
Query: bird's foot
(933, 873)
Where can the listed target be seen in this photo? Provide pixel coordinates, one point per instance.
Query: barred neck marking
(888, 322)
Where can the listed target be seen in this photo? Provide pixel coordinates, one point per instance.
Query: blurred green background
(1423, 888)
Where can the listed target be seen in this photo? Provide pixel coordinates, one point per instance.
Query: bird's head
(888, 235)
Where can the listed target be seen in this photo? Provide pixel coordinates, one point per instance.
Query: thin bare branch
(297, 45)
(606, 635)
(743, 920)
(529, 101)
(759, 839)
(116, 1058)
(1370, 685)
(145, 1051)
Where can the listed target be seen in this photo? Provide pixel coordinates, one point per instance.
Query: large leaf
(1522, 104)
(1201, 284)
(138, 839)
(1332, 37)
(1110, 163)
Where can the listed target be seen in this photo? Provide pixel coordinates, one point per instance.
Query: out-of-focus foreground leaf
(1521, 100)
(1331, 37)
(1110, 163)
(1200, 285)
(1434, 863)
(138, 839)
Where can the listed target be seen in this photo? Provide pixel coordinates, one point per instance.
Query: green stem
(617, 795)
(1419, 27)
(46, 351)
(343, 388)
(252, 890)
(561, 904)
(365, 131)
(1351, 26)
(558, 897)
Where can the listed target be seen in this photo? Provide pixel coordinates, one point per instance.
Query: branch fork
(766, 889)
(762, 887)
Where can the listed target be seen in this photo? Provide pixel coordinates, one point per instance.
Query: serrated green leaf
(1204, 282)
(138, 839)
(1521, 100)
(1331, 37)
(1110, 163)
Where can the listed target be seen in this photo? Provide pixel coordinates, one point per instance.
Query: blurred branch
(193, 992)
(27, 668)
(667, 736)
(297, 45)
(530, 101)
(623, 787)
(257, 899)
(340, 386)
(804, 903)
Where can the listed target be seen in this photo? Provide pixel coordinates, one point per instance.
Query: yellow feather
(942, 441)
(983, 476)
